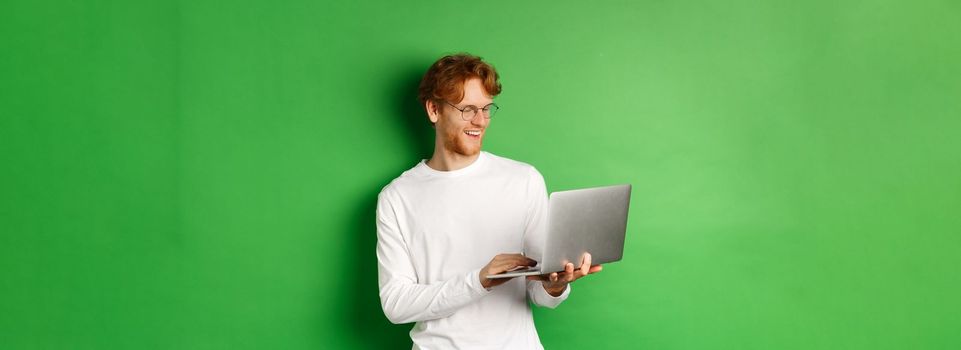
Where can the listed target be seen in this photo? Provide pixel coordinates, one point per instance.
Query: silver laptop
(590, 220)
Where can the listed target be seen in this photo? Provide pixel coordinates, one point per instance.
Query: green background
(203, 174)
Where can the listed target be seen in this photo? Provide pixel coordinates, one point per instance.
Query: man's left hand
(556, 282)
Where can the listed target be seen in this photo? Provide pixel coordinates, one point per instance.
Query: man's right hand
(502, 263)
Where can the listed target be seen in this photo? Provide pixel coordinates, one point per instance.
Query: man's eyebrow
(485, 105)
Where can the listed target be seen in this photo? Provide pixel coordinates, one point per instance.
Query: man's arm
(558, 284)
(541, 297)
(402, 298)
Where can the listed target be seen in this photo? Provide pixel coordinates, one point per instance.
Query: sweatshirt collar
(423, 168)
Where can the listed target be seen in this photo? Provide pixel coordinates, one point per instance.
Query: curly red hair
(445, 79)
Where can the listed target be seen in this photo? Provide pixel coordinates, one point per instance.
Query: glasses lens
(469, 113)
(491, 110)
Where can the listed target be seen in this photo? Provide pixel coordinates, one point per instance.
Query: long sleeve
(539, 296)
(402, 298)
(535, 235)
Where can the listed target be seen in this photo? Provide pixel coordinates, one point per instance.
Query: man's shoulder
(406, 179)
(511, 165)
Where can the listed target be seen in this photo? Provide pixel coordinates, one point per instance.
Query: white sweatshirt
(437, 229)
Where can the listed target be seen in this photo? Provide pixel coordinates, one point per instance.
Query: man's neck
(444, 160)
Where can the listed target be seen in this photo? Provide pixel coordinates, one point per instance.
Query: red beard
(454, 142)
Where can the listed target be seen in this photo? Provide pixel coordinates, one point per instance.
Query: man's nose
(480, 119)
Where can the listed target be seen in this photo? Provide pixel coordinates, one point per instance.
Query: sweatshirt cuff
(545, 299)
(473, 283)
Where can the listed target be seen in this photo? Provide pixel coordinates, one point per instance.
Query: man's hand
(502, 263)
(555, 283)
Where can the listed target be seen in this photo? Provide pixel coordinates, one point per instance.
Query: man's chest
(463, 228)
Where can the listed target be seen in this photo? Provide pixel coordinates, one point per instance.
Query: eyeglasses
(470, 111)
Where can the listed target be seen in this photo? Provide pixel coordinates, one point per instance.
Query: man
(464, 214)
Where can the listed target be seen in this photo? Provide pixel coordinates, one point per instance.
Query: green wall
(203, 174)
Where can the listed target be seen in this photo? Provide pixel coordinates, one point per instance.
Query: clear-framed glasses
(470, 111)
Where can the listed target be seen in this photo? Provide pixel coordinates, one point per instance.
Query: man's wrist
(484, 281)
(555, 291)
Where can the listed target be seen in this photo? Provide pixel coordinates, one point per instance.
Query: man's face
(460, 136)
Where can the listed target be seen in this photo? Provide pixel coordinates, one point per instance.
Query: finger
(569, 272)
(577, 275)
(505, 263)
(553, 277)
(499, 281)
(586, 264)
(501, 266)
(594, 269)
(544, 277)
(520, 260)
(527, 262)
(507, 257)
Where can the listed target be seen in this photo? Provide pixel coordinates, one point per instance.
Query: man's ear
(433, 113)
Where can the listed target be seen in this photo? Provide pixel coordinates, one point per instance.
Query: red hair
(445, 79)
